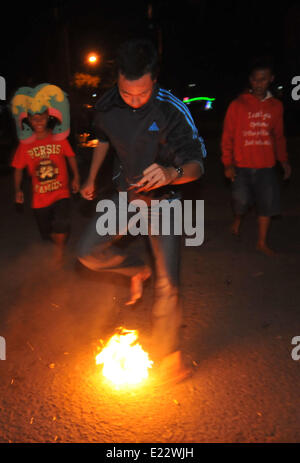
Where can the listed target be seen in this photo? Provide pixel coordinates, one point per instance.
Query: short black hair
(260, 63)
(137, 57)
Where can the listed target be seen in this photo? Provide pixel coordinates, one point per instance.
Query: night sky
(208, 42)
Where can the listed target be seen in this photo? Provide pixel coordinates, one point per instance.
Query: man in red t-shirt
(46, 164)
(252, 142)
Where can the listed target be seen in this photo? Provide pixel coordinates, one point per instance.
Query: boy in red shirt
(252, 142)
(45, 160)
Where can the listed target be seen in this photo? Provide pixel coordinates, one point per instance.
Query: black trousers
(100, 253)
(54, 218)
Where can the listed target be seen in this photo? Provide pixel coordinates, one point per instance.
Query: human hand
(286, 169)
(156, 176)
(19, 197)
(88, 190)
(75, 185)
(230, 173)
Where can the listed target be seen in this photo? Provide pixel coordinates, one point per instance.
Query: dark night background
(204, 42)
(241, 308)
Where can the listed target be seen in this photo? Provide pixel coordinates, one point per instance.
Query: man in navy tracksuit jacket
(157, 147)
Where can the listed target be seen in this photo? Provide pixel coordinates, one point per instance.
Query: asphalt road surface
(241, 312)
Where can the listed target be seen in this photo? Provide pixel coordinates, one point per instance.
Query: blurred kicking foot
(136, 285)
(172, 370)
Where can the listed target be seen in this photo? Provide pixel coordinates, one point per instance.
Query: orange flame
(124, 360)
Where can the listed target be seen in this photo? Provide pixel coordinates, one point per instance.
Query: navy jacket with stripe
(161, 131)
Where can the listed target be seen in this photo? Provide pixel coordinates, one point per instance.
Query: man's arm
(99, 153)
(181, 154)
(156, 176)
(19, 196)
(191, 172)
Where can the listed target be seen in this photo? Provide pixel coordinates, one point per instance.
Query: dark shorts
(54, 218)
(256, 186)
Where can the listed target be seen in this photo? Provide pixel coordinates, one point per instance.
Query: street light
(92, 58)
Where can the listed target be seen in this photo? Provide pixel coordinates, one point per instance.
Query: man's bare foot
(262, 247)
(136, 286)
(172, 370)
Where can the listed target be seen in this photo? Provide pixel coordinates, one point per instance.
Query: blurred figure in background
(252, 142)
(42, 151)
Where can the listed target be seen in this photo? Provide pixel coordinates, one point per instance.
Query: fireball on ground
(124, 361)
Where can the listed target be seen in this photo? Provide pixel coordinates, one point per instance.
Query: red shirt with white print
(46, 164)
(253, 133)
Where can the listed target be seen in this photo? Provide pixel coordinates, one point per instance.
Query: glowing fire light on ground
(124, 360)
